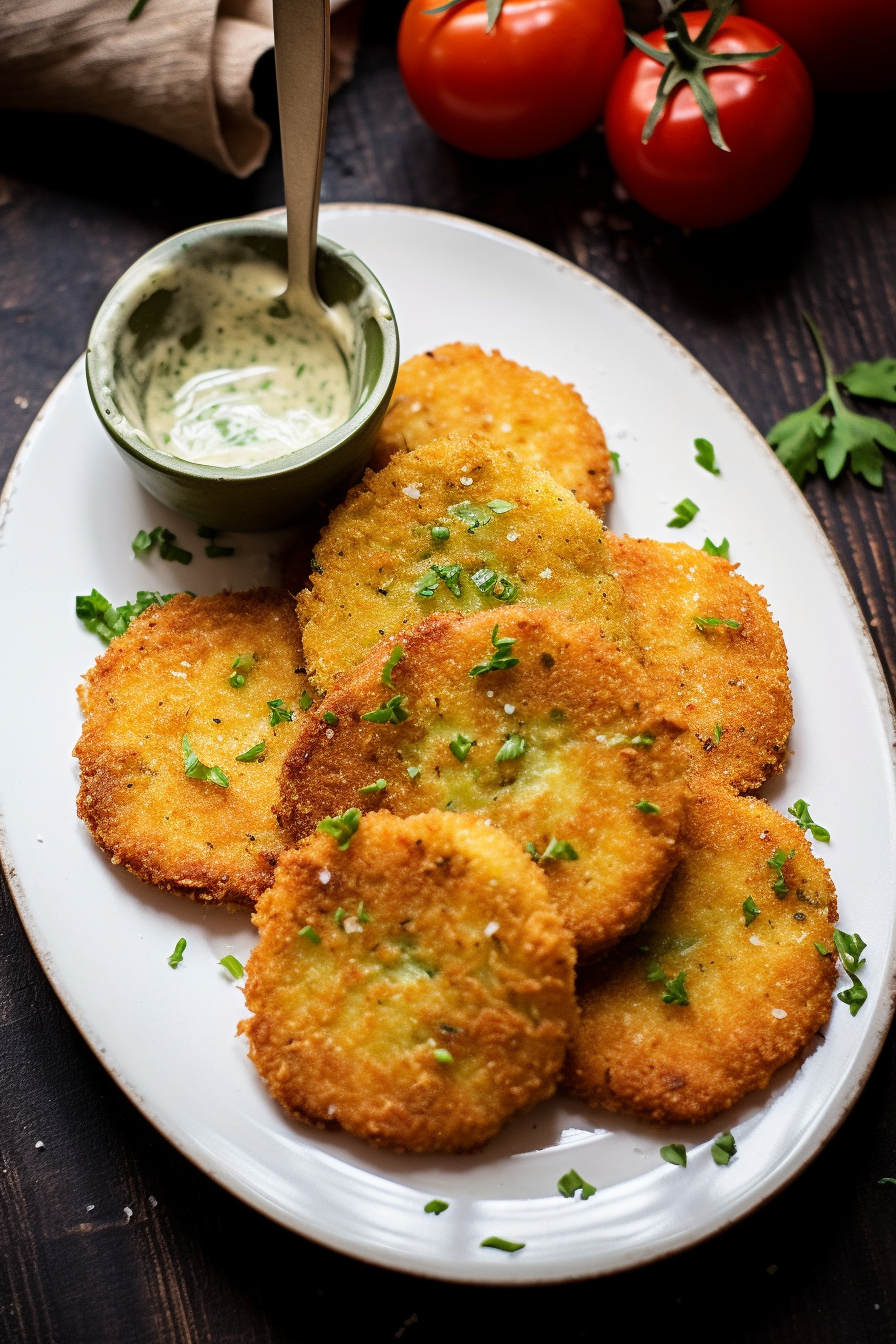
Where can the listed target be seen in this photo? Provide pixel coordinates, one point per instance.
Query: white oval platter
(167, 1037)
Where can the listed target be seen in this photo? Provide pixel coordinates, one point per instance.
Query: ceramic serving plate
(167, 1037)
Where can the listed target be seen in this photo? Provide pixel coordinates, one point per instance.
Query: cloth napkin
(181, 69)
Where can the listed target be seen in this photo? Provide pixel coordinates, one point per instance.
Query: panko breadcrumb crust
(717, 679)
(459, 388)
(379, 544)
(458, 950)
(758, 992)
(575, 699)
(167, 676)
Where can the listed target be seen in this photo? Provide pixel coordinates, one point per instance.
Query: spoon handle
(302, 51)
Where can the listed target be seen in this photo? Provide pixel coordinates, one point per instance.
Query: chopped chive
(751, 910)
(500, 660)
(494, 585)
(376, 787)
(721, 550)
(822, 950)
(674, 1153)
(685, 512)
(723, 1149)
(413, 771)
(649, 809)
(443, 1056)
(474, 515)
(614, 458)
(330, 718)
(305, 701)
(513, 748)
(194, 769)
(362, 916)
(392, 662)
(231, 964)
(440, 533)
(102, 619)
(705, 623)
(177, 955)
(392, 711)
(435, 1206)
(571, 1182)
(339, 916)
(460, 747)
(706, 456)
(500, 505)
(341, 828)
(279, 713)
(776, 863)
(499, 1244)
(311, 934)
(243, 661)
(559, 849)
(717, 733)
(253, 753)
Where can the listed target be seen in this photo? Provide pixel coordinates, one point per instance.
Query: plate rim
(172, 1131)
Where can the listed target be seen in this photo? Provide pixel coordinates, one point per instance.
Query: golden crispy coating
(168, 676)
(459, 388)
(379, 546)
(757, 992)
(716, 679)
(436, 1005)
(564, 718)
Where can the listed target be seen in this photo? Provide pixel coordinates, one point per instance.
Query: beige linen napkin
(180, 70)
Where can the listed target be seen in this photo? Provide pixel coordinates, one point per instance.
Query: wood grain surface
(106, 1233)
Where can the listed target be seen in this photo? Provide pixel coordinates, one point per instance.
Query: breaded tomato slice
(460, 389)
(727, 682)
(539, 725)
(457, 526)
(737, 960)
(415, 988)
(166, 679)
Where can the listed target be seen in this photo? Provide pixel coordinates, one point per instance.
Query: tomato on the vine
(538, 78)
(846, 48)
(765, 114)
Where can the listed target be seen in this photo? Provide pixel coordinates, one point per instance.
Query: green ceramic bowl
(272, 494)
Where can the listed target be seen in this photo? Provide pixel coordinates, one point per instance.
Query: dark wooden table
(82, 199)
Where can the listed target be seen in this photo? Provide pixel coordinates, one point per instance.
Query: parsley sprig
(800, 813)
(341, 828)
(279, 713)
(674, 990)
(776, 863)
(809, 438)
(851, 946)
(101, 618)
(500, 660)
(391, 711)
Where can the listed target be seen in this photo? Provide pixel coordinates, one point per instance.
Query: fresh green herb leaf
(887, 1180)
(531, 850)
(571, 1182)
(723, 1149)
(169, 551)
(443, 1056)
(177, 955)
(706, 456)
(376, 787)
(144, 541)
(512, 748)
(392, 662)
(800, 813)
(649, 809)
(559, 849)
(705, 623)
(500, 660)
(614, 458)
(339, 916)
(101, 618)
(499, 1244)
(329, 718)
(362, 916)
(314, 566)
(776, 863)
(822, 950)
(876, 381)
(136, 10)
(711, 549)
(460, 747)
(494, 585)
(644, 740)
(751, 910)
(855, 996)
(850, 947)
(279, 713)
(311, 934)
(435, 1206)
(674, 1153)
(413, 771)
(675, 990)
(194, 769)
(655, 972)
(305, 701)
(500, 505)
(440, 533)
(717, 733)
(240, 666)
(253, 753)
(427, 586)
(685, 512)
(472, 515)
(231, 964)
(390, 712)
(341, 828)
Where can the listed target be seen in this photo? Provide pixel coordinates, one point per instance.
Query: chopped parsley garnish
(685, 512)
(500, 660)
(435, 1206)
(443, 1056)
(559, 849)
(495, 585)
(500, 505)
(390, 712)
(822, 950)
(194, 769)
(279, 713)
(145, 541)
(751, 910)
(851, 946)
(674, 1153)
(440, 533)
(722, 549)
(614, 458)
(649, 809)
(362, 916)
(392, 662)
(101, 618)
(339, 916)
(473, 515)
(231, 964)
(717, 733)
(723, 1149)
(341, 828)
(674, 990)
(311, 934)
(776, 863)
(512, 748)
(571, 1182)
(305, 700)
(413, 771)
(329, 718)
(436, 574)
(800, 813)
(706, 456)
(253, 753)
(240, 667)
(499, 1244)
(376, 787)
(177, 955)
(460, 747)
(705, 623)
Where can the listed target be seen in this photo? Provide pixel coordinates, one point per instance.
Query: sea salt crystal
(505, 429)
(513, 536)
(466, 480)
(412, 491)
(352, 925)
(329, 732)
(90, 1207)
(779, 1013)
(510, 709)
(546, 574)
(128, 1213)
(324, 876)
(491, 929)
(757, 942)
(40, 1144)
(490, 694)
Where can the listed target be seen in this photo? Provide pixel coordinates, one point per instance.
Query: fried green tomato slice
(165, 681)
(460, 389)
(415, 988)
(726, 677)
(724, 984)
(457, 526)
(537, 724)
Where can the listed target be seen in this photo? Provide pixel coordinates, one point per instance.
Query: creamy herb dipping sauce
(245, 381)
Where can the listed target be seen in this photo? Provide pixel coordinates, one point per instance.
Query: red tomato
(765, 114)
(538, 79)
(850, 49)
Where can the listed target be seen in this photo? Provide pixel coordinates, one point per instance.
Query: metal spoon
(302, 54)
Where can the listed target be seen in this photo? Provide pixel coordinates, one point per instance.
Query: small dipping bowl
(271, 494)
